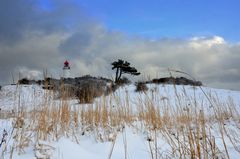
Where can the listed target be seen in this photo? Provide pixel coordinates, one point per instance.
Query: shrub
(123, 81)
(141, 87)
(39, 82)
(66, 91)
(87, 92)
(23, 81)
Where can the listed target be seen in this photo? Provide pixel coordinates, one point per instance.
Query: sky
(170, 18)
(200, 37)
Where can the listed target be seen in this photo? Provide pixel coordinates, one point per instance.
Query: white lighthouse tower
(66, 70)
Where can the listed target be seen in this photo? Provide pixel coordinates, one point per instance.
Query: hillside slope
(164, 122)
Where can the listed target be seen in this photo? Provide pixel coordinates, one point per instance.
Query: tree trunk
(116, 78)
(120, 74)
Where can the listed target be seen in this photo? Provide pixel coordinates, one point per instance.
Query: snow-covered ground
(131, 140)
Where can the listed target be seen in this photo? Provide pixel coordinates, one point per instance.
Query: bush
(123, 81)
(141, 87)
(84, 95)
(87, 92)
(23, 81)
(39, 82)
(65, 91)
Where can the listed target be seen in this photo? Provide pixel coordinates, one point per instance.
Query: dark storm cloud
(18, 17)
(14, 19)
(33, 38)
(76, 44)
(31, 35)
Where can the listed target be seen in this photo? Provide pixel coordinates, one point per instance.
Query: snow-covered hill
(164, 122)
(13, 96)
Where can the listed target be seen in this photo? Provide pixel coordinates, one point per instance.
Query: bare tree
(123, 67)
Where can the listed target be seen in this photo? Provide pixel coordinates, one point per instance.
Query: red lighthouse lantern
(66, 65)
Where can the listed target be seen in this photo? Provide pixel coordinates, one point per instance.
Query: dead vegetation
(141, 87)
(185, 127)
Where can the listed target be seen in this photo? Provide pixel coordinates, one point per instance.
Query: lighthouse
(66, 70)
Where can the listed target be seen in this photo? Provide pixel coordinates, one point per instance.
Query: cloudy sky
(201, 38)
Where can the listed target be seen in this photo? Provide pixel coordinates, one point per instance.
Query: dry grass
(184, 126)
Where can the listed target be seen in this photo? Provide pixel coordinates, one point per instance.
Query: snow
(128, 142)
(16, 96)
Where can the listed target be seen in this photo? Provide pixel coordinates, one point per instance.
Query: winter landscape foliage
(162, 121)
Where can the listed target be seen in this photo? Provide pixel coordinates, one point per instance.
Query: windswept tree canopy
(123, 67)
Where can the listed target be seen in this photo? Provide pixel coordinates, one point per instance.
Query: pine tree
(123, 67)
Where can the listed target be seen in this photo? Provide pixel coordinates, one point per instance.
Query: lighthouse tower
(66, 70)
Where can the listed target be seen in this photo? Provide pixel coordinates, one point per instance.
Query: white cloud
(205, 42)
(32, 74)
